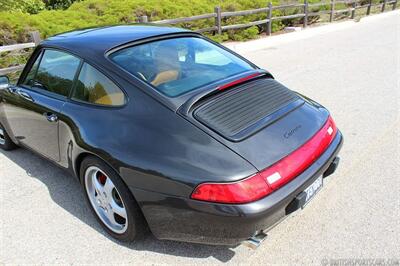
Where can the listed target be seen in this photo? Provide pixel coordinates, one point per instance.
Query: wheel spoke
(108, 187)
(2, 138)
(118, 209)
(97, 185)
(111, 217)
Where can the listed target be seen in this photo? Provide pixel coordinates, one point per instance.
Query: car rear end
(293, 146)
(219, 223)
(291, 142)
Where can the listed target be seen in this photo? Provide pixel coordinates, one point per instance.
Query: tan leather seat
(99, 94)
(165, 76)
(112, 99)
(166, 60)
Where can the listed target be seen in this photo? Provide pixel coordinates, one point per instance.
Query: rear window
(179, 65)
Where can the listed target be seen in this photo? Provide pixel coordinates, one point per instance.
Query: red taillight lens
(272, 178)
(249, 189)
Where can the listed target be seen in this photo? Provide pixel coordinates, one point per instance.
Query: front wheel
(5, 141)
(111, 201)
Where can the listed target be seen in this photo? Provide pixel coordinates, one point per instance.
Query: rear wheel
(111, 201)
(5, 141)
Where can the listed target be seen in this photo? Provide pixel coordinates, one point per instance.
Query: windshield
(179, 65)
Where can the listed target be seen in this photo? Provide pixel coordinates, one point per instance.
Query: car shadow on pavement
(66, 191)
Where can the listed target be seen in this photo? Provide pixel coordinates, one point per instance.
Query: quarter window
(94, 87)
(56, 72)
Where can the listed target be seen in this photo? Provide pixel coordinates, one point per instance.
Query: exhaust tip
(255, 241)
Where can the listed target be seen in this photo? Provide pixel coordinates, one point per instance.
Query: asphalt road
(352, 70)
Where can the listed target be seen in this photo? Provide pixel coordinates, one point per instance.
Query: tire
(128, 229)
(5, 141)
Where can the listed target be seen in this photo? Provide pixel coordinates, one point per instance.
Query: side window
(32, 73)
(94, 87)
(56, 72)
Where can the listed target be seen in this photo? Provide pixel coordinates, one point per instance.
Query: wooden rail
(16, 47)
(35, 37)
(218, 16)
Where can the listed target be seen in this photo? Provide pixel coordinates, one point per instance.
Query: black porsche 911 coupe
(169, 131)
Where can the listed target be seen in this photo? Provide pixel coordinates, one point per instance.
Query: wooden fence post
(35, 36)
(353, 12)
(218, 19)
(383, 6)
(369, 7)
(332, 13)
(305, 21)
(394, 5)
(269, 17)
(143, 19)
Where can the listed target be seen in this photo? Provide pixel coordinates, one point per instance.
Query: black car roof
(92, 44)
(99, 40)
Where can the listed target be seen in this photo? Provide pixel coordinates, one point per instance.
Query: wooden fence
(218, 15)
(35, 36)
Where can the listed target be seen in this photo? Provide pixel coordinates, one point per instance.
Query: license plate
(312, 190)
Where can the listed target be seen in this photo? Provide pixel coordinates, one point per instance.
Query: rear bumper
(223, 224)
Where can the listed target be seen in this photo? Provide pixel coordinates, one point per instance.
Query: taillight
(247, 190)
(272, 178)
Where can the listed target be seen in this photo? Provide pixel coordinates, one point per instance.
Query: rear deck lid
(261, 120)
(237, 113)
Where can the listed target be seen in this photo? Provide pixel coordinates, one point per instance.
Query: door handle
(51, 117)
(24, 95)
(11, 89)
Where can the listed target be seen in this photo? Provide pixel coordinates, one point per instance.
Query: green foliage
(20, 17)
(249, 33)
(26, 6)
(15, 26)
(58, 4)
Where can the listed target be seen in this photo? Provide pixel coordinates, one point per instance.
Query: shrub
(27, 6)
(58, 4)
(15, 26)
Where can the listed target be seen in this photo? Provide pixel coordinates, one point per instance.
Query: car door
(33, 107)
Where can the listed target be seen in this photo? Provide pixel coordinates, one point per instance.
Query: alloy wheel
(106, 200)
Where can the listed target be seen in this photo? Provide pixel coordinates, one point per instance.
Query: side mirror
(4, 82)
